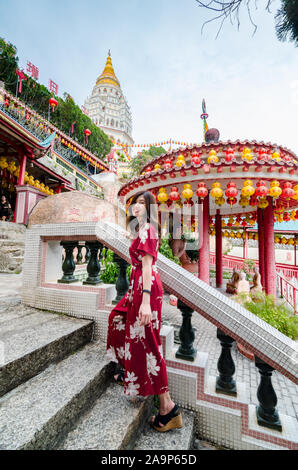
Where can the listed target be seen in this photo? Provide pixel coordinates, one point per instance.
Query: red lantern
(168, 163)
(202, 191)
(261, 189)
(87, 133)
(148, 169)
(231, 191)
(296, 215)
(6, 102)
(53, 103)
(229, 155)
(231, 201)
(286, 217)
(287, 191)
(174, 195)
(262, 154)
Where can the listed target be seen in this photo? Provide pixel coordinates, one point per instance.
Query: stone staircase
(12, 247)
(57, 390)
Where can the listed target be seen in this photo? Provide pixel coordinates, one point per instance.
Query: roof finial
(110, 52)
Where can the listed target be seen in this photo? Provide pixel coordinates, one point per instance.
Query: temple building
(108, 107)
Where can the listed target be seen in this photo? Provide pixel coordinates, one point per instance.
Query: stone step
(113, 423)
(175, 439)
(11, 243)
(30, 340)
(39, 413)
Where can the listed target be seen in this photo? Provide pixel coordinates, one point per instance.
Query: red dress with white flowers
(138, 348)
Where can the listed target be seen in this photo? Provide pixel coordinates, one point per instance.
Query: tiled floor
(205, 341)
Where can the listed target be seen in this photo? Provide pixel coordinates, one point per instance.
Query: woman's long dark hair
(132, 223)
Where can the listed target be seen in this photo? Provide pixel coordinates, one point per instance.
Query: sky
(165, 64)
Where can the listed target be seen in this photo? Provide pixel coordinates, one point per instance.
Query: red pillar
(204, 251)
(260, 221)
(22, 170)
(245, 244)
(218, 248)
(20, 180)
(269, 252)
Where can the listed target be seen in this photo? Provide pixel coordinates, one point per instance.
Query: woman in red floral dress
(134, 324)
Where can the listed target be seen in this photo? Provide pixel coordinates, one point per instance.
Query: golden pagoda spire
(108, 75)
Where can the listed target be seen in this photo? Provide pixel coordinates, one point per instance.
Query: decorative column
(204, 251)
(226, 367)
(260, 221)
(186, 350)
(20, 183)
(68, 265)
(267, 415)
(218, 248)
(245, 244)
(122, 283)
(269, 251)
(93, 267)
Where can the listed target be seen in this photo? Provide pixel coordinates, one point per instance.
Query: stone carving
(232, 285)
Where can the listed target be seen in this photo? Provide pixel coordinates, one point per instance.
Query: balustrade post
(267, 414)
(225, 365)
(93, 267)
(79, 255)
(68, 265)
(122, 283)
(87, 254)
(186, 350)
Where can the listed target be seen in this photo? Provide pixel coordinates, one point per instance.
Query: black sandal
(172, 420)
(120, 377)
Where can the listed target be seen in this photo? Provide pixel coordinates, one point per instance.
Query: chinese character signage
(32, 70)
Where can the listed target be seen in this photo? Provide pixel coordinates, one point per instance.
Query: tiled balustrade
(224, 418)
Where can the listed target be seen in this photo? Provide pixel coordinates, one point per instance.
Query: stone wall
(12, 245)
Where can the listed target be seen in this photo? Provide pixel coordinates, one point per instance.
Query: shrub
(277, 315)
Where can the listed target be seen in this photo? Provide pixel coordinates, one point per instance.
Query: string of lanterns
(254, 236)
(249, 195)
(9, 172)
(39, 122)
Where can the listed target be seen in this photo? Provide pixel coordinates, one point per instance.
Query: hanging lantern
(261, 189)
(286, 217)
(244, 201)
(216, 191)
(231, 191)
(87, 133)
(231, 201)
(53, 103)
(148, 169)
(295, 188)
(263, 203)
(246, 154)
(174, 194)
(274, 190)
(202, 191)
(162, 195)
(180, 160)
(248, 189)
(287, 191)
(167, 164)
(262, 154)
(220, 201)
(212, 157)
(187, 193)
(195, 158)
(276, 156)
(229, 154)
(157, 167)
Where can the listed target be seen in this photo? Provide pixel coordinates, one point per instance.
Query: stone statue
(232, 285)
(257, 286)
(243, 285)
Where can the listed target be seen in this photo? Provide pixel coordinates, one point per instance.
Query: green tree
(287, 21)
(144, 157)
(37, 97)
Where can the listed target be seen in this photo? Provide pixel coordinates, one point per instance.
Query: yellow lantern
(276, 156)
(216, 190)
(248, 189)
(212, 232)
(244, 201)
(250, 235)
(232, 235)
(31, 180)
(227, 234)
(263, 203)
(37, 184)
(274, 190)
(213, 158)
(220, 201)
(26, 177)
(243, 235)
(180, 157)
(276, 239)
(180, 163)
(187, 193)
(246, 154)
(291, 241)
(3, 163)
(162, 196)
(157, 167)
(284, 241)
